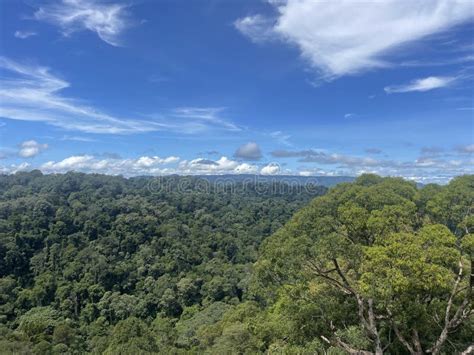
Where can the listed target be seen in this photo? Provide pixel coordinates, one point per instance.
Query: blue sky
(210, 87)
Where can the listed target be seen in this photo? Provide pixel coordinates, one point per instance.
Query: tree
(131, 336)
(404, 275)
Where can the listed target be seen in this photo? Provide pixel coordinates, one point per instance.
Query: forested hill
(326, 181)
(180, 265)
(80, 253)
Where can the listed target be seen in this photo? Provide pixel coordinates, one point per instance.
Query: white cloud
(258, 28)
(30, 149)
(24, 34)
(196, 118)
(423, 169)
(270, 169)
(423, 84)
(349, 115)
(347, 37)
(106, 19)
(248, 151)
(12, 169)
(223, 165)
(77, 139)
(147, 165)
(129, 167)
(281, 138)
(33, 93)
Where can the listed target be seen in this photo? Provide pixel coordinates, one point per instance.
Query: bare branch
(459, 316)
(416, 341)
(336, 341)
(399, 335)
(469, 350)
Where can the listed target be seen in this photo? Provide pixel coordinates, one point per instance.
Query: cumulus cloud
(30, 149)
(14, 168)
(145, 165)
(107, 20)
(33, 93)
(24, 34)
(223, 165)
(270, 169)
(249, 151)
(423, 84)
(153, 165)
(347, 37)
(423, 169)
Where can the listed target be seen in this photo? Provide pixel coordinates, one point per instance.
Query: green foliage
(93, 264)
(131, 336)
(370, 262)
(87, 261)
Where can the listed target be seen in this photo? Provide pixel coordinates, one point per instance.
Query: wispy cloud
(33, 93)
(108, 20)
(24, 34)
(258, 28)
(335, 42)
(423, 84)
(281, 138)
(77, 138)
(30, 149)
(199, 117)
(438, 63)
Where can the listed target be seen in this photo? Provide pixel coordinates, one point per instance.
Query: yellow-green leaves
(412, 265)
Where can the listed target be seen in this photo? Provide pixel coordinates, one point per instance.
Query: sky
(289, 87)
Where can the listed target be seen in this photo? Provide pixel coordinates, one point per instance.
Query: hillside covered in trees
(106, 265)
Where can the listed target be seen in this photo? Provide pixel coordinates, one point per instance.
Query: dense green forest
(106, 265)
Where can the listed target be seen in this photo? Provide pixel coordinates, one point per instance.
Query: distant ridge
(326, 181)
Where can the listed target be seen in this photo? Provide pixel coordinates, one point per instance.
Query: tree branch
(399, 335)
(459, 316)
(336, 341)
(469, 350)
